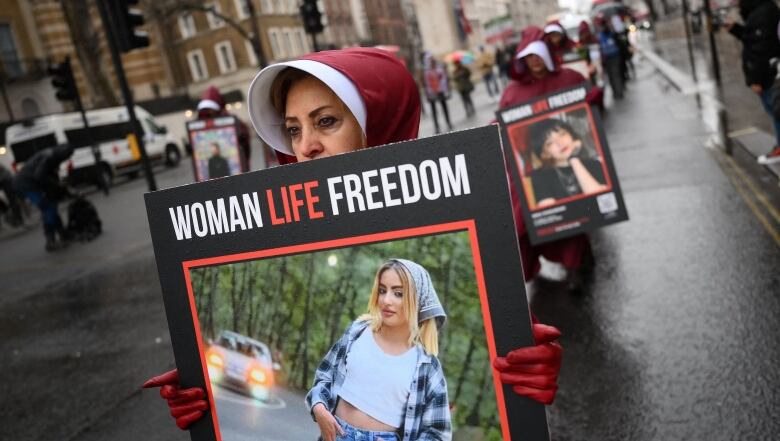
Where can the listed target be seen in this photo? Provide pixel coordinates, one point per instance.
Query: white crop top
(378, 383)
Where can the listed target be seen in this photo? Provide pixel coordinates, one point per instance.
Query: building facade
(207, 50)
(340, 26)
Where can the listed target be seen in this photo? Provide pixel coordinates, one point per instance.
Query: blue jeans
(354, 434)
(52, 222)
(766, 101)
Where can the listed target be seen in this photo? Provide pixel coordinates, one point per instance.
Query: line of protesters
(606, 50)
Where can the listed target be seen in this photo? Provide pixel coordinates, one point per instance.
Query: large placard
(561, 165)
(263, 272)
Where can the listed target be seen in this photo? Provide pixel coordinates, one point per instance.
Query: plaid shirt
(427, 411)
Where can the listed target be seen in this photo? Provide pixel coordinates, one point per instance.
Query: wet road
(283, 417)
(675, 337)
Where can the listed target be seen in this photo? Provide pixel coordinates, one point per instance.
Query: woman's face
(318, 123)
(535, 64)
(559, 146)
(390, 299)
(555, 38)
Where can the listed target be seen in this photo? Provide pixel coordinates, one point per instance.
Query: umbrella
(465, 57)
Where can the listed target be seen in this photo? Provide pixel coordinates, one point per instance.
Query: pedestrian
(12, 204)
(461, 75)
(39, 182)
(437, 90)
(760, 44)
(535, 75)
(349, 403)
(212, 105)
(586, 36)
(620, 31)
(485, 63)
(611, 59)
(503, 61)
(588, 46)
(356, 110)
(558, 41)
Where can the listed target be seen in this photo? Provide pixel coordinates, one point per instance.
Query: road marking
(756, 191)
(742, 132)
(749, 201)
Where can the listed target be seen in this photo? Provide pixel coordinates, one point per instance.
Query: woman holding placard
(334, 102)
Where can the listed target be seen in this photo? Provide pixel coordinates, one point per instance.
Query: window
(225, 58)
(9, 57)
(250, 53)
(267, 6)
(214, 21)
(288, 49)
(300, 37)
(197, 64)
(273, 35)
(242, 8)
(187, 25)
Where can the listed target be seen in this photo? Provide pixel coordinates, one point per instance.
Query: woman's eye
(293, 130)
(326, 121)
(399, 294)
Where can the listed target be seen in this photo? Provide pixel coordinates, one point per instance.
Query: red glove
(187, 405)
(533, 371)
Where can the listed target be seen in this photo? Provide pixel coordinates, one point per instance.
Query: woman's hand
(587, 182)
(533, 371)
(187, 405)
(329, 427)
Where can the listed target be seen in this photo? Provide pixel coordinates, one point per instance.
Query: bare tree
(163, 10)
(86, 40)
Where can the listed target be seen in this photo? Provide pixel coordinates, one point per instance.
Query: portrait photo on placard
(559, 157)
(270, 324)
(215, 150)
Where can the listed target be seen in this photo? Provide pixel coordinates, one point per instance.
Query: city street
(674, 337)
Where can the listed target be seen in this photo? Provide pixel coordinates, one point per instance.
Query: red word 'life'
(292, 203)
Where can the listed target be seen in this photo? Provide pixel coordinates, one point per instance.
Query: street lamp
(333, 260)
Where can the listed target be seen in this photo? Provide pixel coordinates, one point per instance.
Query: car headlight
(257, 375)
(215, 360)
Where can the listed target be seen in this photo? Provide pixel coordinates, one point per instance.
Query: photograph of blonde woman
(366, 387)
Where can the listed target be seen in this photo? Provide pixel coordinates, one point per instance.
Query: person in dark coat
(12, 199)
(218, 165)
(759, 45)
(39, 181)
(461, 76)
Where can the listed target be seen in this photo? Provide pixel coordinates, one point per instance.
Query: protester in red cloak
(586, 34)
(558, 41)
(536, 75)
(212, 105)
(378, 103)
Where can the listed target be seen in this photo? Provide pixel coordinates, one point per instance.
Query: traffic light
(312, 18)
(125, 19)
(63, 81)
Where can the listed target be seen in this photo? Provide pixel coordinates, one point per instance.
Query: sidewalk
(748, 125)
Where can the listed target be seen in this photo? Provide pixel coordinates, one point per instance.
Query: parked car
(243, 364)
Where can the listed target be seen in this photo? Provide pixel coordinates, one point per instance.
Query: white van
(108, 128)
